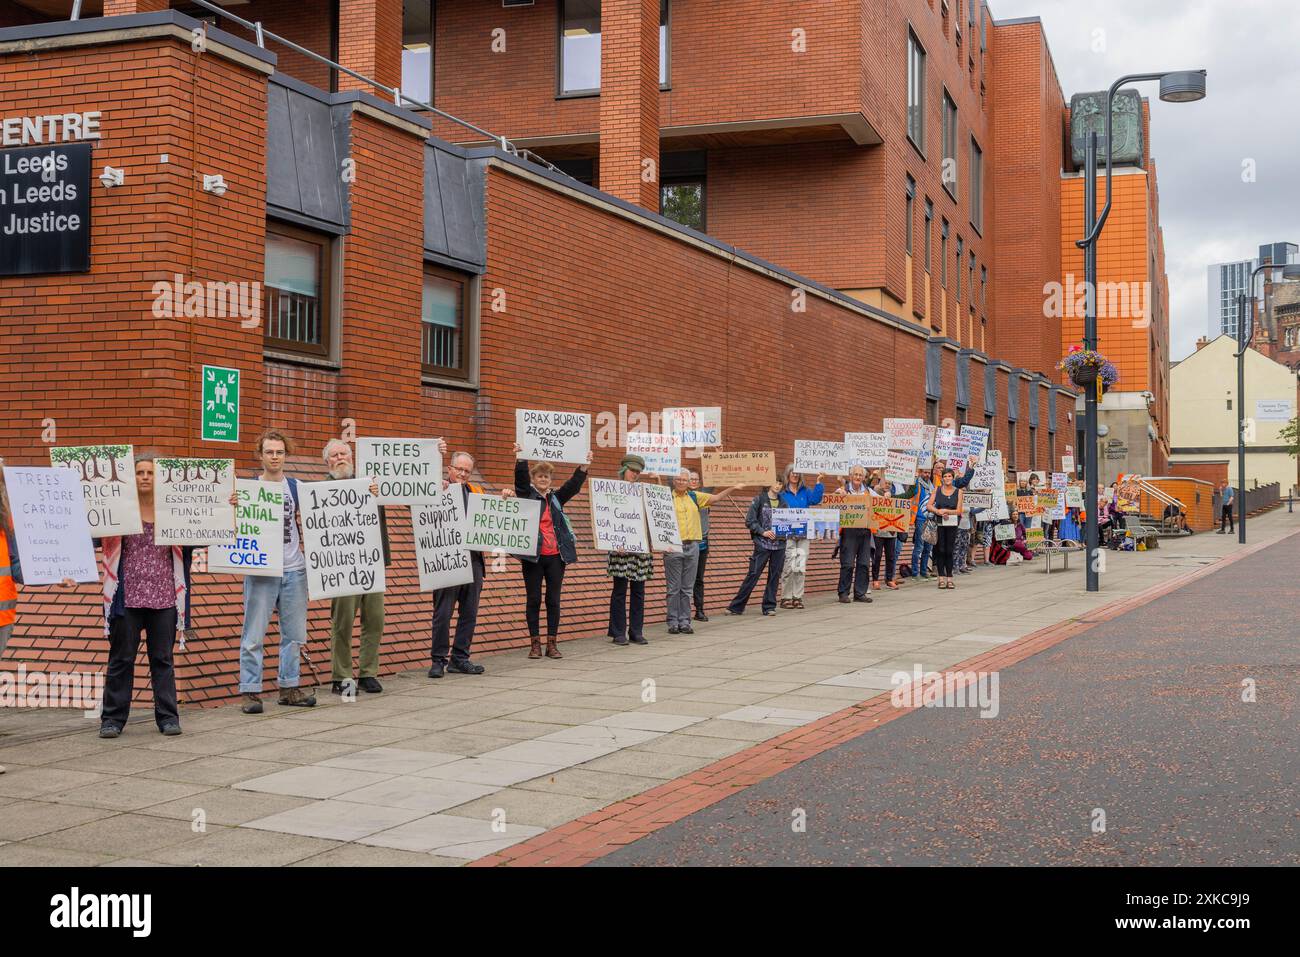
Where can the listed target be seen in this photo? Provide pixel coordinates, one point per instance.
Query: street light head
(1183, 87)
(1290, 272)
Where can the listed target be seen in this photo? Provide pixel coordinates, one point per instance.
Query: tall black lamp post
(1175, 87)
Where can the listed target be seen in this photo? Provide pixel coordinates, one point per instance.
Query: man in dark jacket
(855, 546)
(768, 550)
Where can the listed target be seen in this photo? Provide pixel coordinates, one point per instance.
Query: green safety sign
(220, 404)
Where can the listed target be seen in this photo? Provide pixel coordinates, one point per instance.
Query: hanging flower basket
(1085, 366)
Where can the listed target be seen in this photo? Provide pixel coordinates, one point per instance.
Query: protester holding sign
(679, 567)
(946, 506)
(795, 495)
(630, 571)
(855, 546)
(886, 540)
(921, 548)
(555, 549)
(9, 573)
(697, 593)
(769, 550)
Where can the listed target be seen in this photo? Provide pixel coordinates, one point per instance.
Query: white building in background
(1226, 281)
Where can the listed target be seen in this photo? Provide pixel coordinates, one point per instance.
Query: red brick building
(411, 286)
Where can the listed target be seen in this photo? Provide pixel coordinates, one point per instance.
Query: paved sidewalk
(447, 771)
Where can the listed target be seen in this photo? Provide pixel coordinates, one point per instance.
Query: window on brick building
(1033, 448)
(948, 174)
(976, 185)
(932, 411)
(682, 188)
(960, 249)
(971, 278)
(943, 254)
(417, 49)
(915, 91)
(447, 323)
(929, 232)
(984, 290)
(909, 204)
(579, 40)
(1011, 463)
(297, 291)
(961, 416)
(1051, 450)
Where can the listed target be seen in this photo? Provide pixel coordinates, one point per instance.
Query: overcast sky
(1251, 49)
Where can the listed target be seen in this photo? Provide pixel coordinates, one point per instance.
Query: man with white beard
(343, 610)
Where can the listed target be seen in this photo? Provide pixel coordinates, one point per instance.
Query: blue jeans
(261, 597)
(920, 552)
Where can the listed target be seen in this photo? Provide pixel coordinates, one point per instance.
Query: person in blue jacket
(795, 495)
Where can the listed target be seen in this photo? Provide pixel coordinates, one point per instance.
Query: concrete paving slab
(450, 835)
(228, 807)
(126, 794)
(785, 717)
(426, 795)
(492, 771)
(213, 771)
(23, 819)
(542, 809)
(241, 847)
(118, 835)
(551, 753)
(313, 781)
(390, 760)
(335, 820)
(601, 734)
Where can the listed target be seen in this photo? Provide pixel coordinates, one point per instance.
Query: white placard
(900, 467)
(618, 516)
(905, 435)
(823, 523)
(661, 517)
(192, 501)
(867, 449)
(50, 525)
(510, 525)
(341, 538)
(258, 548)
(973, 500)
(440, 553)
(553, 436)
(407, 471)
(929, 435)
(1073, 496)
(662, 452)
(994, 457)
(958, 452)
(1060, 480)
(107, 474)
(986, 478)
(695, 426)
(813, 457)
(977, 439)
(1274, 410)
(1067, 464)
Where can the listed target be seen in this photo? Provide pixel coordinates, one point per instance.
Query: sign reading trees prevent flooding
(662, 453)
(440, 552)
(192, 502)
(220, 404)
(695, 427)
(341, 538)
(107, 474)
(900, 467)
(905, 435)
(867, 449)
(258, 548)
(407, 471)
(661, 516)
(891, 514)
(814, 457)
(507, 525)
(854, 510)
(618, 516)
(553, 436)
(721, 469)
(50, 525)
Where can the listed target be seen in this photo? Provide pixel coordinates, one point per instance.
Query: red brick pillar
(114, 8)
(629, 101)
(370, 42)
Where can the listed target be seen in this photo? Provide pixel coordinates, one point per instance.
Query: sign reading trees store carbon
(45, 209)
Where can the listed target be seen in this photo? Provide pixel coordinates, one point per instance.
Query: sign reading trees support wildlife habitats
(553, 436)
(107, 475)
(407, 471)
(618, 516)
(258, 548)
(509, 525)
(737, 468)
(440, 531)
(192, 502)
(661, 517)
(341, 538)
(50, 525)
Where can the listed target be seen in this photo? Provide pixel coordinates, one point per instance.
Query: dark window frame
(976, 186)
(943, 254)
(703, 182)
(909, 206)
(929, 232)
(665, 65)
(916, 58)
(325, 262)
(433, 52)
(951, 127)
(468, 325)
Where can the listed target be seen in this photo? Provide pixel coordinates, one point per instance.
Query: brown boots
(535, 649)
(551, 650)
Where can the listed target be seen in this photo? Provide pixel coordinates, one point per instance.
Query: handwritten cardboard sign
(695, 426)
(891, 514)
(661, 517)
(258, 548)
(721, 469)
(977, 438)
(553, 436)
(815, 457)
(107, 474)
(407, 471)
(440, 530)
(867, 449)
(618, 515)
(510, 525)
(900, 467)
(905, 435)
(192, 501)
(662, 452)
(50, 525)
(341, 538)
(854, 510)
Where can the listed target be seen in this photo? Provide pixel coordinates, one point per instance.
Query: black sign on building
(45, 209)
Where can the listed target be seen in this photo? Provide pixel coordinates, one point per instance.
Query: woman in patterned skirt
(630, 572)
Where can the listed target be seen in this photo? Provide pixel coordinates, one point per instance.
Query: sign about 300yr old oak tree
(192, 502)
(440, 532)
(508, 525)
(50, 525)
(553, 436)
(258, 548)
(107, 474)
(407, 471)
(341, 538)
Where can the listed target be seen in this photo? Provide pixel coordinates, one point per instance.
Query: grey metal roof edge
(309, 222)
(64, 28)
(1013, 21)
(298, 86)
(392, 109)
(451, 262)
(559, 179)
(945, 342)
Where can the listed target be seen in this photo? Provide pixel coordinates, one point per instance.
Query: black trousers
(888, 547)
(619, 626)
(1226, 519)
(944, 549)
(855, 561)
(444, 601)
(698, 592)
(774, 559)
(159, 627)
(548, 568)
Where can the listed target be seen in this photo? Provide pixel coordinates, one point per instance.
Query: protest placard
(787, 522)
(1128, 493)
(1034, 538)
(722, 469)
(905, 435)
(662, 452)
(618, 515)
(439, 530)
(510, 525)
(1060, 480)
(823, 524)
(900, 467)
(1028, 505)
(891, 514)
(855, 510)
(925, 457)
(1053, 505)
(107, 474)
(341, 538)
(695, 426)
(1001, 508)
(661, 517)
(943, 442)
(258, 548)
(407, 471)
(51, 528)
(1004, 533)
(986, 478)
(1067, 464)
(958, 453)
(815, 457)
(553, 436)
(1074, 496)
(977, 438)
(192, 502)
(973, 500)
(994, 457)
(867, 449)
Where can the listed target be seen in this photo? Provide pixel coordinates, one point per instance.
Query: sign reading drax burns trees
(220, 404)
(107, 474)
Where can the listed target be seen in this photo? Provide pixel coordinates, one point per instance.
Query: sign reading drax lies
(509, 525)
(553, 436)
(45, 209)
(407, 471)
(721, 469)
(341, 539)
(891, 514)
